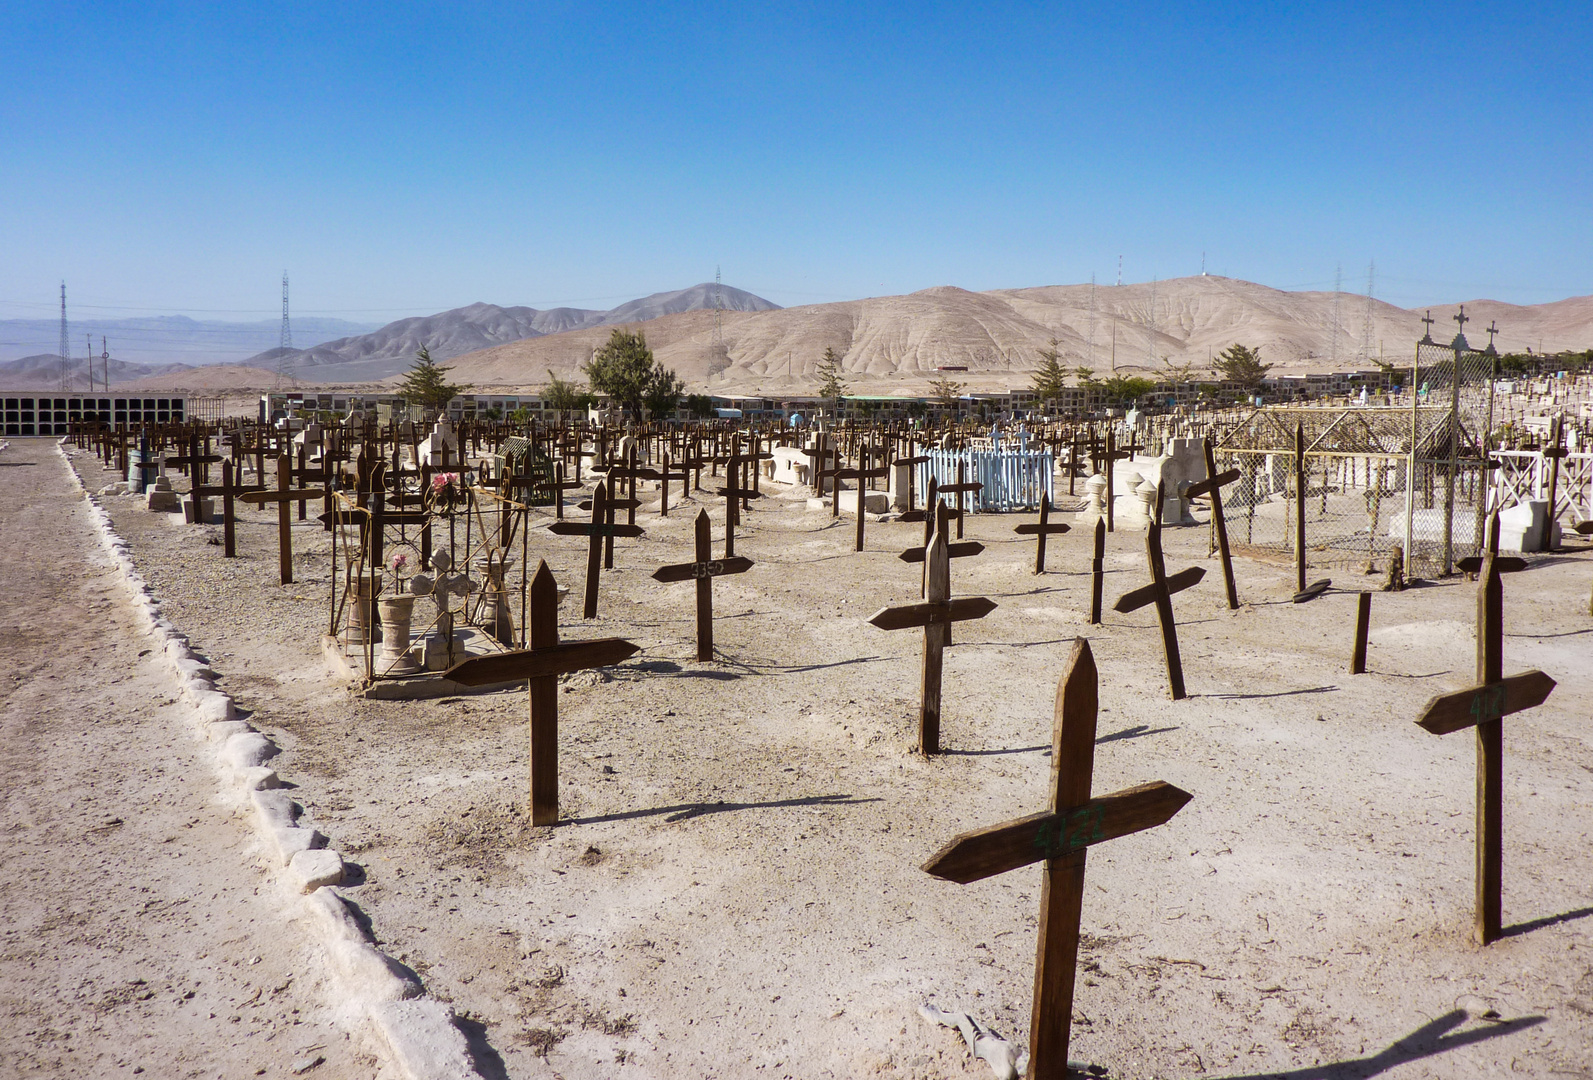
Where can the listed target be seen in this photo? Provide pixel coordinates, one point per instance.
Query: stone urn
(396, 612)
(1095, 500)
(492, 608)
(359, 598)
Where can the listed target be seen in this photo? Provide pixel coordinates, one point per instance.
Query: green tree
(1126, 389)
(626, 370)
(832, 387)
(1086, 376)
(945, 392)
(564, 396)
(1241, 365)
(1051, 377)
(427, 385)
(663, 395)
(699, 405)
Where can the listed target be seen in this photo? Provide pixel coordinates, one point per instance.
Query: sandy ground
(137, 932)
(736, 889)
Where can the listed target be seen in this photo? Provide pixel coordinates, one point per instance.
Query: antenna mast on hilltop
(1366, 320)
(1120, 269)
(65, 345)
(284, 368)
(719, 313)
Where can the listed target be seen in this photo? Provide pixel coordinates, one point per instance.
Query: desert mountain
(447, 334)
(43, 372)
(168, 339)
(896, 343)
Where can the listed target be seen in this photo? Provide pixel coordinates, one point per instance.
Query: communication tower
(1333, 348)
(1092, 323)
(284, 366)
(1366, 319)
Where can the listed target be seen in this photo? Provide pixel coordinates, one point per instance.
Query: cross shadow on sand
(683, 811)
(1547, 920)
(1280, 693)
(1434, 1037)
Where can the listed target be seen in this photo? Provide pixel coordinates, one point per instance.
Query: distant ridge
(43, 372)
(392, 348)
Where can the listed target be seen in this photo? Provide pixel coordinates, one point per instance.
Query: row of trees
(626, 370)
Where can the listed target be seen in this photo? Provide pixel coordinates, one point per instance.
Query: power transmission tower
(1150, 340)
(1333, 348)
(66, 348)
(1366, 319)
(719, 313)
(88, 351)
(105, 362)
(284, 367)
(1092, 323)
(1120, 269)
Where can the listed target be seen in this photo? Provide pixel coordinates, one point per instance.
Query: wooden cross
(601, 526)
(912, 464)
(1554, 452)
(1212, 486)
(935, 615)
(703, 570)
(227, 490)
(1111, 455)
(1071, 823)
(1040, 530)
(610, 508)
(862, 498)
(734, 495)
(959, 489)
(1484, 707)
(1160, 592)
(1097, 571)
(541, 665)
(282, 496)
(1303, 592)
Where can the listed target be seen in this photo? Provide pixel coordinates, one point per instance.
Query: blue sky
(402, 159)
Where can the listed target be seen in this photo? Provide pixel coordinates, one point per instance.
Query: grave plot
(734, 885)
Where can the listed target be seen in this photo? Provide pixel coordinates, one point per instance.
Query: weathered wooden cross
(1212, 486)
(1040, 530)
(541, 665)
(1303, 592)
(935, 615)
(282, 496)
(1484, 707)
(1060, 835)
(703, 569)
(1097, 571)
(734, 495)
(860, 475)
(1160, 592)
(601, 526)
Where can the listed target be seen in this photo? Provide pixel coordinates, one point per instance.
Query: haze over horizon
(421, 161)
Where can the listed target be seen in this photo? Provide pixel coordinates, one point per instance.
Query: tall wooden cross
(1040, 530)
(734, 495)
(1484, 707)
(541, 665)
(935, 615)
(703, 569)
(1160, 592)
(601, 526)
(282, 496)
(1097, 571)
(1060, 835)
(1303, 591)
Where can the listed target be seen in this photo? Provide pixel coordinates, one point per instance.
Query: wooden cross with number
(1484, 707)
(1040, 530)
(703, 570)
(1060, 835)
(541, 665)
(935, 615)
(1160, 592)
(282, 496)
(734, 495)
(601, 526)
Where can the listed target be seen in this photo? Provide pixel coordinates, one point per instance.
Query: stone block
(314, 869)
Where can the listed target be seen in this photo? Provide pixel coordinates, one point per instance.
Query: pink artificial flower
(399, 562)
(442, 480)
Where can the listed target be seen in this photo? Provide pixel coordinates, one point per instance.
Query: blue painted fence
(1012, 479)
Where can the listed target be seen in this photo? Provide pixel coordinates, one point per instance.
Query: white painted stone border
(419, 1033)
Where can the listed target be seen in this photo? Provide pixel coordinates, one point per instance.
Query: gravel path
(137, 933)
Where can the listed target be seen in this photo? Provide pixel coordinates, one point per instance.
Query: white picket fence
(1013, 479)
(1524, 474)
